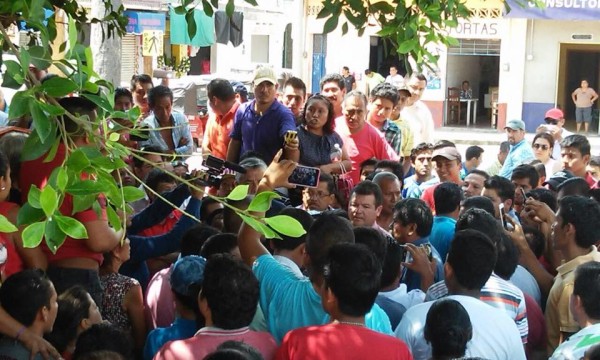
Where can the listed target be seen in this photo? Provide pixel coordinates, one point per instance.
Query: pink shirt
(160, 306)
(366, 144)
(208, 339)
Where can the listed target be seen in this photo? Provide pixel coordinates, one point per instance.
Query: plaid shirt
(393, 136)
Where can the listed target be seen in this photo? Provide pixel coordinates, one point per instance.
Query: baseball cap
(187, 271)
(447, 152)
(238, 87)
(515, 124)
(555, 114)
(558, 178)
(264, 73)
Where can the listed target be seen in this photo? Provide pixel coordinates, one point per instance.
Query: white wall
(461, 68)
(512, 68)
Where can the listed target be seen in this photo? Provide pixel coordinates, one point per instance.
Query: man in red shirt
(223, 103)
(447, 162)
(352, 277)
(76, 262)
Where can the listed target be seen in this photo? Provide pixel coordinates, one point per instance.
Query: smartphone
(290, 135)
(503, 216)
(305, 176)
(523, 194)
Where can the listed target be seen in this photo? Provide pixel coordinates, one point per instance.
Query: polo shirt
(289, 302)
(414, 189)
(407, 137)
(558, 315)
(180, 329)
(263, 133)
(420, 120)
(216, 133)
(518, 154)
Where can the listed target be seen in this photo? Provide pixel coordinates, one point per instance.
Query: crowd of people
(411, 249)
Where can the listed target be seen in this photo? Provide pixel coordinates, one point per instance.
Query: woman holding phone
(320, 145)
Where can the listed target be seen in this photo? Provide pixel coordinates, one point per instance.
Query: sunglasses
(543, 147)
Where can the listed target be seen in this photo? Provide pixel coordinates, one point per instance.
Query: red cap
(555, 114)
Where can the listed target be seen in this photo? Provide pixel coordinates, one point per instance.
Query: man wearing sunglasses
(555, 121)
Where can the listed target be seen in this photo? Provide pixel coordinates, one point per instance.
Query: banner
(557, 10)
(141, 21)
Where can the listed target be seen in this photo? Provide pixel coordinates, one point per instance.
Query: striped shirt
(498, 293)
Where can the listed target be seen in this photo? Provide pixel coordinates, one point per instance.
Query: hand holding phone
(290, 136)
(503, 216)
(305, 176)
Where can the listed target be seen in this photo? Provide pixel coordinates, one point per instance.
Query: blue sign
(140, 21)
(557, 10)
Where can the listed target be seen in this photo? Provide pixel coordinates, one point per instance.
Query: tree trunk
(107, 53)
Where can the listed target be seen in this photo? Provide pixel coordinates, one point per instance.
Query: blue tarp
(557, 10)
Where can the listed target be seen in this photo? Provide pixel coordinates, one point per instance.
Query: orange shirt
(216, 135)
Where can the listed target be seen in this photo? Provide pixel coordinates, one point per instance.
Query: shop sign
(478, 29)
(152, 42)
(557, 10)
(141, 21)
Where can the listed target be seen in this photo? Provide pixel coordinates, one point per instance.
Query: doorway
(382, 55)
(577, 62)
(318, 61)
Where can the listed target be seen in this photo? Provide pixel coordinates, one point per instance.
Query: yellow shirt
(407, 137)
(558, 316)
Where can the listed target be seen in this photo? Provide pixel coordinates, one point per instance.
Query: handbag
(343, 185)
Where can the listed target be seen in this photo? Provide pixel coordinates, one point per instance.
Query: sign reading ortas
(479, 29)
(152, 43)
(557, 10)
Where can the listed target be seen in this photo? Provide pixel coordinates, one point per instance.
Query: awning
(557, 10)
(205, 33)
(140, 21)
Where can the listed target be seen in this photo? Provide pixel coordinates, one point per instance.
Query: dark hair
(146, 149)
(390, 271)
(584, 214)
(73, 306)
(353, 274)
(539, 168)
(328, 230)
(508, 257)
(296, 83)
(414, 211)
(221, 89)
(367, 71)
(11, 145)
(76, 106)
(333, 77)
(472, 256)
(447, 197)
(448, 328)
(140, 79)
(103, 337)
(525, 171)
(24, 293)
(368, 162)
(158, 176)
(479, 202)
(442, 144)
(503, 186)
(206, 202)
(326, 178)
(193, 239)
(504, 147)
(394, 166)
(574, 186)
(576, 141)
(422, 147)
(595, 160)
(290, 243)
(234, 350)
(418, 76)
(4, 165)
(346, 68)
(480, 220)
(330, 124)
(587, 287)
(385, 91)
(473, 152)
(544, 195)
(222, 243)
(546, 136)
(373, 239)
(158, 92)
(123, 92)
(480, 172)
(231, 220)
(231, 291)
(368, 188)
(535, 239)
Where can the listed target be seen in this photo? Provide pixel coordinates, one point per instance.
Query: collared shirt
(412, 279)
(576, 346)
(180, 329)
(180, 129)
(420, 120)
(558, 315)
(414, 189)
(393, 135)
(407, 140)
(262, 132)
(216, 134)
(519, 153)
(288, 263)
(495, 168)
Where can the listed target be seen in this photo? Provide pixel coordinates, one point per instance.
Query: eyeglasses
(542, 146)
(313, 194)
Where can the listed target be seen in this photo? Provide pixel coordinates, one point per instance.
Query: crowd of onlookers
(411, 249)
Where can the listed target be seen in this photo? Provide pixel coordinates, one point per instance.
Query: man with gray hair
(391, 189)
(361, 139)
(255, 169)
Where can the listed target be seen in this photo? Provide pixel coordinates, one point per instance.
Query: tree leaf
(286, 225)
(262, 201)
(28, 214)
(239, 193)
(55, 237)
(102, 102)
(40, 57)
(62, 178)
(345, 28)
(406, 46)
(78, 161)
(41, 122)
(331, 24)
(35, 148)
(191, 22)
(82, 202)
(32, 235)
(229, 8)
(58, 86)
(6, 226)
(73, 228)
(260, 227)
(86, 187)
(131, 193)
(19, 105)
(114, 137)
(33, 197)
(113, 218)
(48, 200)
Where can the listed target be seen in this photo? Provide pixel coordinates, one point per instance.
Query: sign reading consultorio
(557, 10)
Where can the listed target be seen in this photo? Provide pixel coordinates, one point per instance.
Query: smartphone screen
(305, 176)
(502, 216)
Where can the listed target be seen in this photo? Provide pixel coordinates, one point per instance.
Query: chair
(453, 105)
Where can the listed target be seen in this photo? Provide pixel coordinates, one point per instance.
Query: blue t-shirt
(289, 302)
(265, 133)
(180, 329)
(442, 233)
(412, 279)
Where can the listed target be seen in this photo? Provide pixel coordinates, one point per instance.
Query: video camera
(212, 172)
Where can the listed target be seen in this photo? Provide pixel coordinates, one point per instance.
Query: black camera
(212, 172)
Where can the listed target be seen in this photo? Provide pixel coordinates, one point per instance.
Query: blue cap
(515, 124)
(187, 271)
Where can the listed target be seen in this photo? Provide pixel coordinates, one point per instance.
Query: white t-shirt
(576, 346)
(495, 335)
(419, 119)
(556, 150)
(396, 80)
(403, 297)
